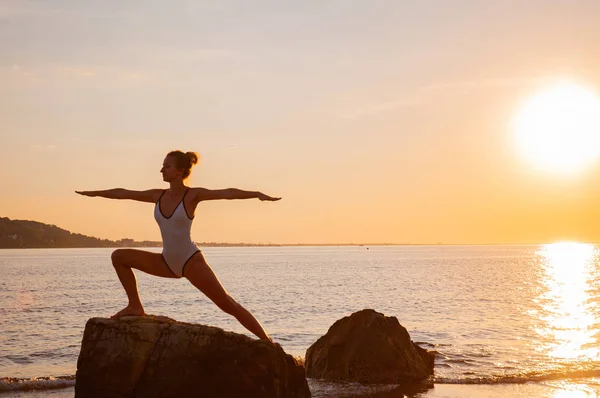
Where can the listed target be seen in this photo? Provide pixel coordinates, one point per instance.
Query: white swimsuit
(178, 247)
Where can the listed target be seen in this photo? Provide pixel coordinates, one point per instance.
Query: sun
(558, 129)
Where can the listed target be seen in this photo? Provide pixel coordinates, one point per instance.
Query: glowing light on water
(572, 389)
(569, 315)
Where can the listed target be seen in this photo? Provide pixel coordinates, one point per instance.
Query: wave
(520, 378)
(36, 383)
(432, 345)
(51, 382)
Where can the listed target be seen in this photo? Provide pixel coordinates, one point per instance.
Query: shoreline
(579, 387)
(202, 244)
(17, 235)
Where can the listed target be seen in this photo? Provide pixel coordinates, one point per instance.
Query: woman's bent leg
(201, 275)
(124, 260)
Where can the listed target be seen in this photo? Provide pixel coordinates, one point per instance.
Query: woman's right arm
(151, 195)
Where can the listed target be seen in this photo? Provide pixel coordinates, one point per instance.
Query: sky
(375, 121)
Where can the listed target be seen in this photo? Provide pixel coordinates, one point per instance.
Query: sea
(510, 320)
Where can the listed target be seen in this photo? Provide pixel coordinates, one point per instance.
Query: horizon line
(134, 241)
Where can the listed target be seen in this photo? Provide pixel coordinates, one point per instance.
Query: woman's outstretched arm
(229, 193)
(150, 195)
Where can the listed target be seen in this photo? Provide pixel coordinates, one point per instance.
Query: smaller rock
(368, 347)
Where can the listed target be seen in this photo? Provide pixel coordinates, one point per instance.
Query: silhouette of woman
(174, 212)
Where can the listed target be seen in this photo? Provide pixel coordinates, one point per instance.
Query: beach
(571, 389)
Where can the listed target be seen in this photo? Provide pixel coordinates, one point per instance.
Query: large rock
(159, 357)
(368, 347)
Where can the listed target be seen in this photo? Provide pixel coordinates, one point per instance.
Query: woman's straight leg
(201, 275)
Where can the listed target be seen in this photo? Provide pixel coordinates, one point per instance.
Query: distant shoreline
(367, 245)
(27, 234)
(200, 244)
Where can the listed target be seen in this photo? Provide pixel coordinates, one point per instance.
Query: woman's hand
(86, 193)
(262, 196)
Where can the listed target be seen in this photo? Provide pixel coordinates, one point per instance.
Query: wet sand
(528, 390)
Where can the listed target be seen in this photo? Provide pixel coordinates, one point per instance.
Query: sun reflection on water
(572, 389)
(569, 316)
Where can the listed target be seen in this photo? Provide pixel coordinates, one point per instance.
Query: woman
(174, 212)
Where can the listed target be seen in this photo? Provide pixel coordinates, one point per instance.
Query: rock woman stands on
(174, 212)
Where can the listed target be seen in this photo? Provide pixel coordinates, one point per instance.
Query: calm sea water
(494, 314)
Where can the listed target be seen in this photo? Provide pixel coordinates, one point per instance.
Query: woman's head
(178, 162)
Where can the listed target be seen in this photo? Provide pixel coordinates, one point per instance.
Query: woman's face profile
(169, 171)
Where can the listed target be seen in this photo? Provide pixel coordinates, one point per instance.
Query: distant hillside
(26, 234)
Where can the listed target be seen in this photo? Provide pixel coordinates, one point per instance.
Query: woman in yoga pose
(174, 212)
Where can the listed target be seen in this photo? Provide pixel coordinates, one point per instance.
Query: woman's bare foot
(129, 311)
(268, 339)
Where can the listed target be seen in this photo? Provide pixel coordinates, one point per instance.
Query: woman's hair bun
(193, 156)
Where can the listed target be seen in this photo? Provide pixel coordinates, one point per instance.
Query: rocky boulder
(159, 357)
(368, 347)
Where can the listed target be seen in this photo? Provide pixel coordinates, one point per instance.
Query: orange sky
(380, 122)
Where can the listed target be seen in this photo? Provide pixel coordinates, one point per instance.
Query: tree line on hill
(25, 234)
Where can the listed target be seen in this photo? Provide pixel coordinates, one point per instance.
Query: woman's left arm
(202, 194)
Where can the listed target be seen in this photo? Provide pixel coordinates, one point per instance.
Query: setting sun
(558, 129)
